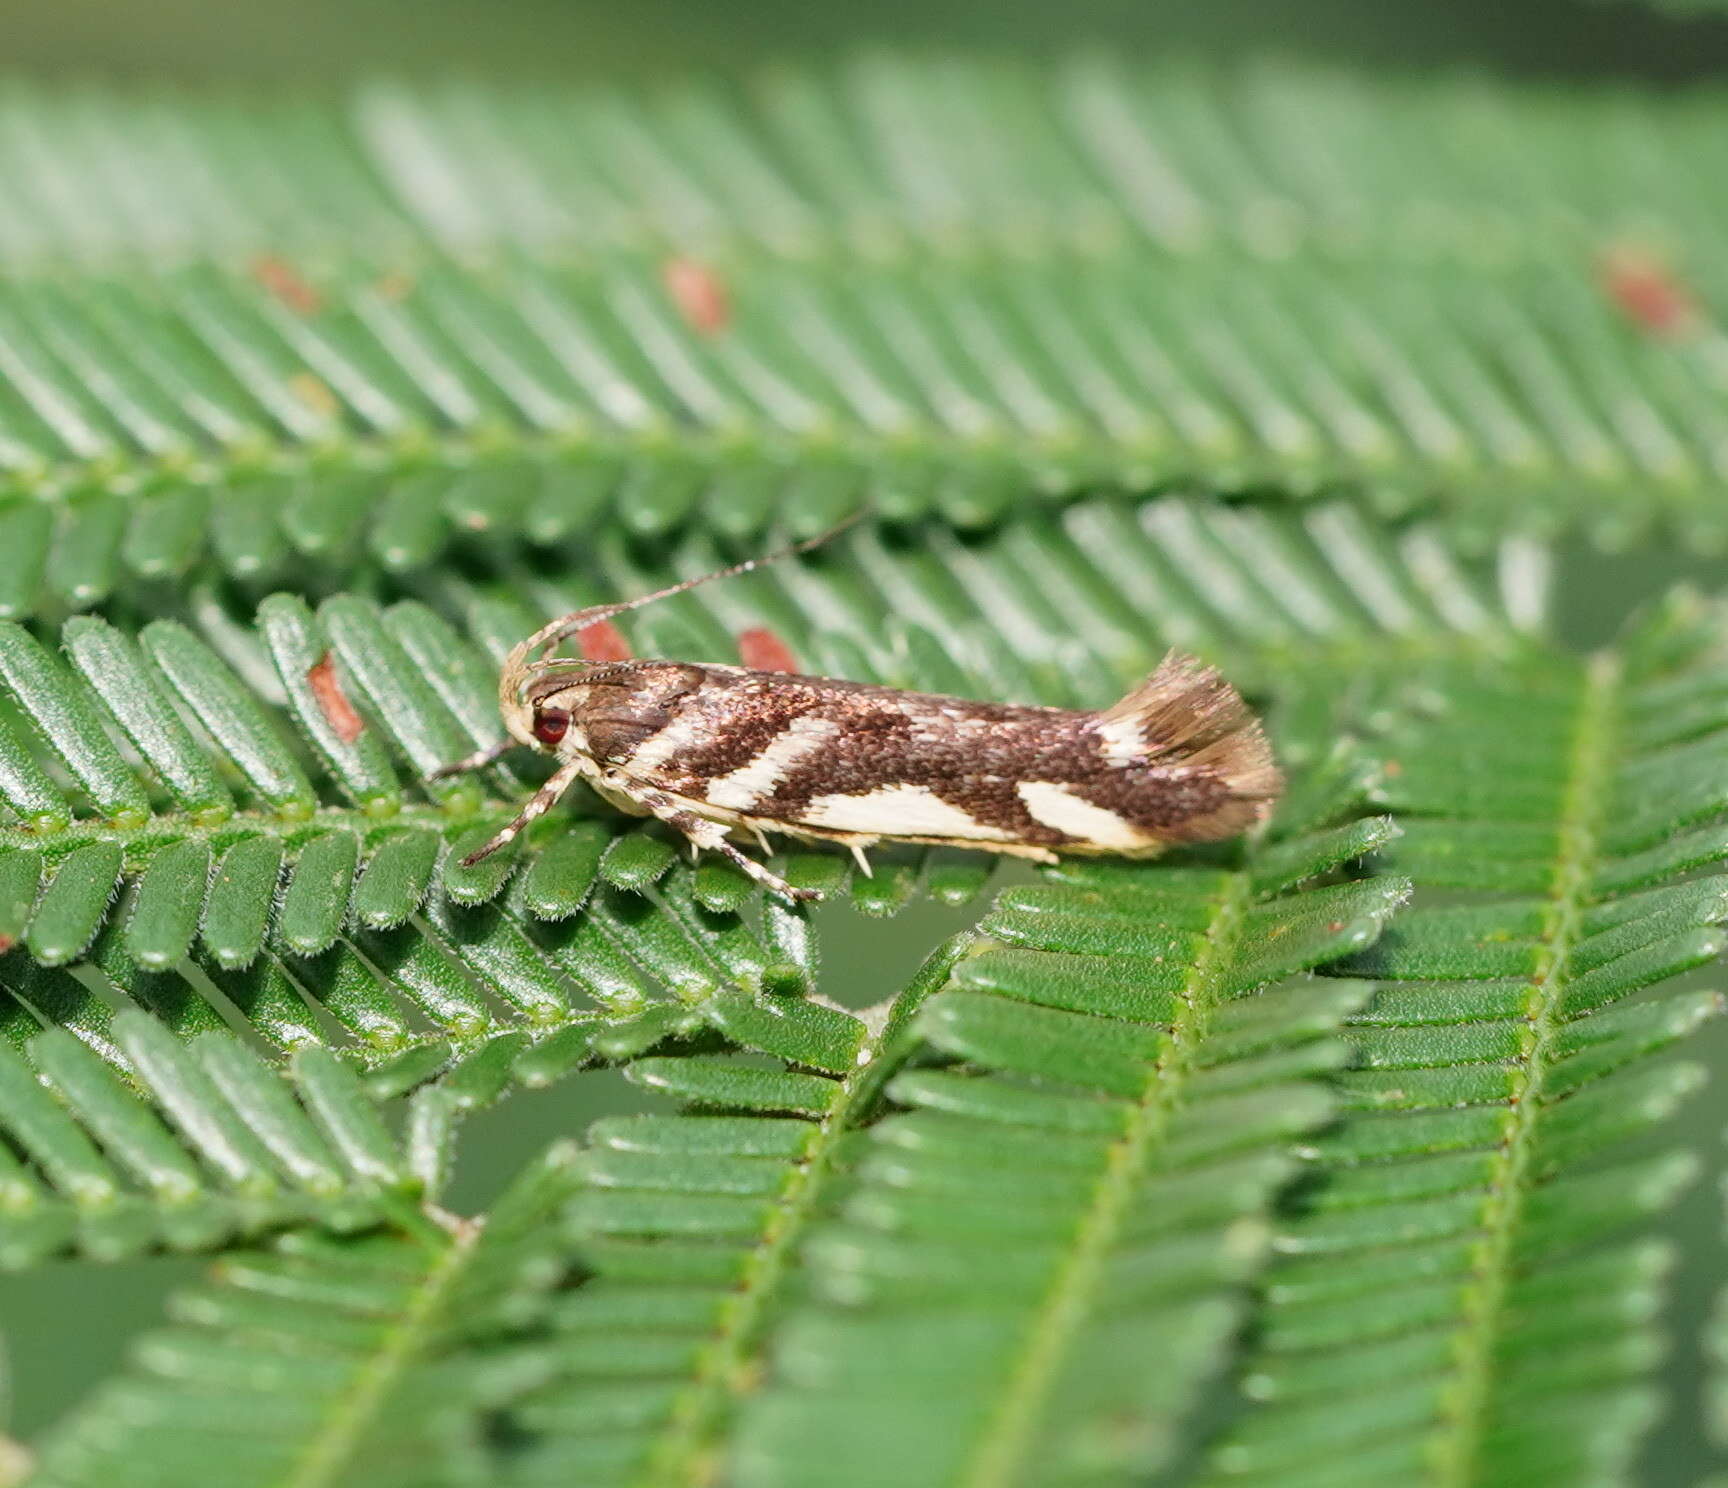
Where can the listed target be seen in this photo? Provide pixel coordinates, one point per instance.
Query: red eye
(550, 725)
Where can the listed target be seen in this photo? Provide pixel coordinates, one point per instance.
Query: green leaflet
(326, 1361)
(218, 1147)
(1462, 1220)
(691, 1224)
(1715, 1342)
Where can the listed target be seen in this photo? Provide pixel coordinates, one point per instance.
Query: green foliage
(372, 329)
(1472, 1213)
(314, 883)
(1236, 1167)
(1036, 1263)
(204, 1143)
(318, 1363)
(1088, 1080)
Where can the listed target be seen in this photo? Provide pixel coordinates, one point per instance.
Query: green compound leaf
(438, 362)
(1094, 1078)
(1471, 1207)
(934, 285)
(218, 1147)
(325, 1361)
(1119, 1156)
(314, 880)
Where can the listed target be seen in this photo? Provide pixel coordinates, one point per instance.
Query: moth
(717, 750)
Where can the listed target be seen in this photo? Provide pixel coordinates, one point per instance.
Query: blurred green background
(242, 41)
(245, 45)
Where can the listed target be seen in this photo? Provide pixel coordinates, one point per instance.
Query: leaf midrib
(1003, 1448)
(723, 1373)
(1465, 1405)
(327, 1459)
(171, 826)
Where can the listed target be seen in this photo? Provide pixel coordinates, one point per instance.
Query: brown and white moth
(715, 749)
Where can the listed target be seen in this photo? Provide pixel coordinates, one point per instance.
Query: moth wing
(1186, 714)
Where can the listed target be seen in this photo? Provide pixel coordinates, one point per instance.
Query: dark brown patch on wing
(972, 762)
(745, 720)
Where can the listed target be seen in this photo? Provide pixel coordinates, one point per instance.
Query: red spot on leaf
(763, 651)
(394, 286)
(332, 701)
(285, 282)
(603, 641)
(315, 393)
(699, 293)
(1647, 291)
(6, 943)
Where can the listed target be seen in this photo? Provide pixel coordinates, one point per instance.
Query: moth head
(533, 692)
(522, 692)
(541, 698)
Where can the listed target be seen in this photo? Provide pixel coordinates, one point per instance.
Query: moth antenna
(582, 619)
(517, 666)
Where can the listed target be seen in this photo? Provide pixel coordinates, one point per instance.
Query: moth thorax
(616, 709)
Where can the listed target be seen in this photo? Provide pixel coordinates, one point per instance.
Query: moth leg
(538, 804)
(760, 836)
(862, 861)
(1026, 850)
(703, 833)
(478, 760)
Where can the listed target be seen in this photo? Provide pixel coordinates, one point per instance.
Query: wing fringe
(1190, 716)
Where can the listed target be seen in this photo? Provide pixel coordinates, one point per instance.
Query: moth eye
(550, 724)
